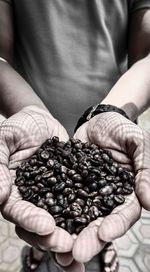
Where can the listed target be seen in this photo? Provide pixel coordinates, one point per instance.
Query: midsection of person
(71, 52)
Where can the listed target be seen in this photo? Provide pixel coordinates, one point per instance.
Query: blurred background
(133, 248)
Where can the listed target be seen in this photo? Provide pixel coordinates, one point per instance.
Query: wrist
(97, 109)
(129, 108)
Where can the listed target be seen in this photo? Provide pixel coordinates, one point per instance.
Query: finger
(58, 241)
(87, 245)
(27, 215)
(122, 218)
(82, 133)
(142, 168)
(5, 178)
(142, 188)
(64, 259)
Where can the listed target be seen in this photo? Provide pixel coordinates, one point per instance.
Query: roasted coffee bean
(62, 225)
(101, 183)
(59, 187)
(51, 181)
(76, 182)
(40, 203)
(127, 191)
(44, 190)
(55, 209)
(44, 155)
(74, 214)
(82, 194)
(71, 197)
(40, 185)
(110, 178)
(59, 220)
(66, 211)
(106, 190)
(47, 174)
(67, 191)
(77, 178)
(119, 190)
(23, 189)
(119, 199)
(85, 209)
(50, 164)
(75, 207)
(28, 195)
(19, 181)
(79, 229)
(80, 220)
(93, 194)
(109, 203)
(78, 185)
(93, 212)
(70, 226)
(30, 182)
(69, 183)
(80, 201)
(50, 202)
(93, 186)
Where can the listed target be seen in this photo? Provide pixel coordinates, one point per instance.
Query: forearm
(132, 90)
(15, 92)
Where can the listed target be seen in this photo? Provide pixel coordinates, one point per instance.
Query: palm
(21, 136)
(115, 133)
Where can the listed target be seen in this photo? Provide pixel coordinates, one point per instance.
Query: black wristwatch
(97, 109)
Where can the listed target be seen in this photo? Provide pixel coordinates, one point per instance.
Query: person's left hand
(117, 134)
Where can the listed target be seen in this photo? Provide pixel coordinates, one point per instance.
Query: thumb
(142, 168)
(120, 220)
(5, 178)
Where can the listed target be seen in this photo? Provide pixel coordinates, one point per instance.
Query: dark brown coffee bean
(59, 187)
(40, 203)
(93, 186)
(50, 202)
(26, 175)
(29, 182)
(51, 181)
(85, 209)
(70, 173)
(66, 212)
(70, 226)
(67, 191)
(20, 181)
(50, 164)
(40, 185)
(62, 225)
(106, 190)
(44, 155)
(119, 199)
(101, 183)
(80, 201)
(74, 214)
(119, 190)
(80, 220)
(93, 194)
(47, 174)
(93, 212)
(110, 178)
(82, 194)
(69, 183)
(23, 189)
(79, 229)
(77, 178)
(127, 191)
(55, 209)
(78, 185)
(59, 220)
(75, 207)
(71, 197)
(109, 203)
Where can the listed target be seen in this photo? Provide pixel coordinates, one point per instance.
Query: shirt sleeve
(138, 4)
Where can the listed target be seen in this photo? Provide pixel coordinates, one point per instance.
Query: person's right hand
(20, 136)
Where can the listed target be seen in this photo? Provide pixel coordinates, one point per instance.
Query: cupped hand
(20, 136)
(129, 145)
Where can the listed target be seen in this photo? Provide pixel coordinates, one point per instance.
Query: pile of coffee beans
(76, 182)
